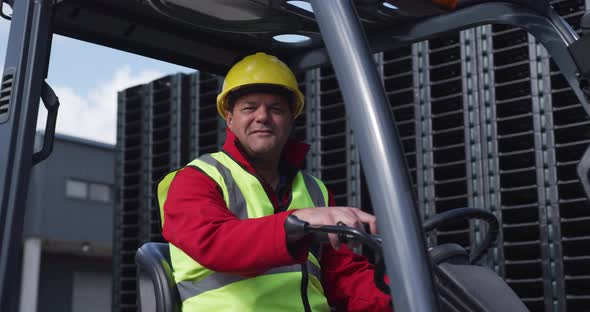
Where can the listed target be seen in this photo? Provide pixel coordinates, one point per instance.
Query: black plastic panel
(130, 205)
(517, 161)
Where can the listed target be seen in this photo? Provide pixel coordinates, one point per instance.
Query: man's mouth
(262, 131)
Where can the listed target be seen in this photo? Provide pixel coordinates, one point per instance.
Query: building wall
(54, 216)
(77, 284)
(74, 223)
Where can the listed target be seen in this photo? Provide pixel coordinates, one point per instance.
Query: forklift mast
(210, 36)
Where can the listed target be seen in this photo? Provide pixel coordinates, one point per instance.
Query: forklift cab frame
(210, 36)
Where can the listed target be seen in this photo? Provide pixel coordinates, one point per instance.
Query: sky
(86, 78)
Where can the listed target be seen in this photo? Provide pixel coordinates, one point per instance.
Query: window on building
(76, 189)
(100, 192)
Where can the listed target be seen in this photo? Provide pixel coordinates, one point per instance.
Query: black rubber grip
(295, 228)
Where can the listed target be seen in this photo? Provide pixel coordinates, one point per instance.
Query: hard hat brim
(297, 109)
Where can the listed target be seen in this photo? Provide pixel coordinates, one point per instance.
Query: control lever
(296, 228)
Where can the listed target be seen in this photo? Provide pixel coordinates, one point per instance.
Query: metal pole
(24, 69)
(381, 152)
(30, 275)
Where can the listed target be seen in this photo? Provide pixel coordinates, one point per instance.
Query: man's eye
(248, 108)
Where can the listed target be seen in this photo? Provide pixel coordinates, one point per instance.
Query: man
(225, 213)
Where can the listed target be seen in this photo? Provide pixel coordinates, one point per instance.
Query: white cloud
(94, 115)
(4, 26)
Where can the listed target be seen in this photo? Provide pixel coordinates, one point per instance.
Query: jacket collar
(293, 153)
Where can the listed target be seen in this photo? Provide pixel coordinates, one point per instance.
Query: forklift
(210, 35)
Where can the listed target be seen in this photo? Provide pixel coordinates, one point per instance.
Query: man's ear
(228, 118)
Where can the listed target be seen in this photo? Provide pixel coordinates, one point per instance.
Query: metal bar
(147, 160)
(27, 56)
(195, 101)
(119, 203)
(381, 152)
(312, 114)
(545, 162)
(472, 129)
(551, 30)
(423, 126)
(30, 275)
(353, 170)
(221, 124)
(176, 125)
(490, 162)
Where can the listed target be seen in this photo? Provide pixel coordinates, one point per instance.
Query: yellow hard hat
(259, 68)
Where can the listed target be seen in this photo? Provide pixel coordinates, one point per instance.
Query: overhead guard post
(27, 57)
(381, 153)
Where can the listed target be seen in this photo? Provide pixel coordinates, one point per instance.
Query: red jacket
(199, 223)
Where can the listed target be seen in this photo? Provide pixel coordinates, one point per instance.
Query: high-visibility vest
(278, 289)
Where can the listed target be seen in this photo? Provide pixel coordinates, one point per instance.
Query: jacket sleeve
(197, 220)
(348, 280)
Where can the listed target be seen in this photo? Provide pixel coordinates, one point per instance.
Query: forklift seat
(156, 287)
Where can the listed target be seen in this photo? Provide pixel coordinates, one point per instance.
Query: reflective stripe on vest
(188, 289)
(316, 190)
(237, 202)
(246, 198)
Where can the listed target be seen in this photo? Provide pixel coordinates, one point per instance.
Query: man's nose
(262, 113)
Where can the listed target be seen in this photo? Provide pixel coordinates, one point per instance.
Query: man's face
(262, 123)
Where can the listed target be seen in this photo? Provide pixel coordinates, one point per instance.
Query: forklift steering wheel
(455, 215)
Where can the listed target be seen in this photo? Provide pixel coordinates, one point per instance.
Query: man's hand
(352, 217)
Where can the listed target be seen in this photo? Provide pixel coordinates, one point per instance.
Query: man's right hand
(350, 216)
